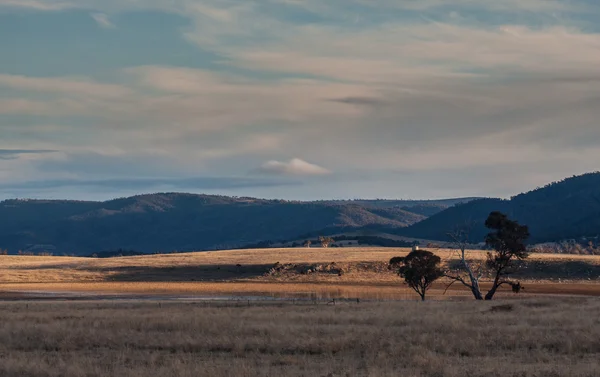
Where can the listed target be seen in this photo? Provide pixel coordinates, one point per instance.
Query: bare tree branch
(460, 237)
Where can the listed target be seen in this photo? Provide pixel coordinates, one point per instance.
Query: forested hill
(184, 222)
(569, 209)
(172, 221)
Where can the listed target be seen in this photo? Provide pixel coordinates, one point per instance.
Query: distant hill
(472, 215)
(428, 206)
(172, 221)
(182, 222)
(569, 209)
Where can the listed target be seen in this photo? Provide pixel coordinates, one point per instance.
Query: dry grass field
(334, 272)
(523, 338)
(59, 317)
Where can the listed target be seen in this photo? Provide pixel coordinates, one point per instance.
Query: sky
(296, 99)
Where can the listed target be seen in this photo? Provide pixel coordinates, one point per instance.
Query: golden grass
(526, 338)
(33, 269)
(259, 256)
(218, 273)
(396, 291)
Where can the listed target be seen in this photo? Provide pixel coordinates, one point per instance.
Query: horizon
(296, 100)
(298, 200)
(244, 197)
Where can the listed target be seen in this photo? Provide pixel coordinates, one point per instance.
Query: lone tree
(420, 269)
(307, 243)
(507, 240)
(325, 241)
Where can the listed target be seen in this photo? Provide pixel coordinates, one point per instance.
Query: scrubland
(517, 338)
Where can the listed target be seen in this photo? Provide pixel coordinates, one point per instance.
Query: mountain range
(186, 222)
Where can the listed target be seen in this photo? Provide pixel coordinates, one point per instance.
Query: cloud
(504, 5)
(145, 184)
(208, 5)
(10, 154)
(66, 85)
(103, 21)
(40, 5)
(408, 54)
(294, 167)
(23, 106)
(367, 101)
(395, 87)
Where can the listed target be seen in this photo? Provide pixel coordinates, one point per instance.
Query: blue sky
(296, 99)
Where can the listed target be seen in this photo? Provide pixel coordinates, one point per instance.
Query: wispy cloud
(216, 8)
(294, 167)
(366, 101)
(20, 106)
(504, 5)
(411, 53)
(103, 21)
(145, 184)
(41, 5)
(388, 86)
(10, 154)
(66, 85)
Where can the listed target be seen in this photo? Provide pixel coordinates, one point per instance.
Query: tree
(420, 269)
(508, 242)
(468, 274)
(307, 243)
(325, 241)
(395, 262)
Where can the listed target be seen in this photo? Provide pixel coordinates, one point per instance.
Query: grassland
(145, 334)
(524, 338)
(338, 272)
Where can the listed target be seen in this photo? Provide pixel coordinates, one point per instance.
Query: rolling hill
(569, 209)
(173, 221)
(183, 222)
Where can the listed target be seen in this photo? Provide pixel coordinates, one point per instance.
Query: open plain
(316, 272)
(271, 312)
(542, 337)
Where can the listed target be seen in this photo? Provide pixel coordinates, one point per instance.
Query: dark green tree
(395, 263)
(420, 269)
(507, 239)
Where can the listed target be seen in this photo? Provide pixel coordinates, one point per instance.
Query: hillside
(166, 222)
(431, 206)
(472, 215)
(569, 209)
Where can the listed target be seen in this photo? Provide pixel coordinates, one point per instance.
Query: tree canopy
(420, 268)
(507, 242)
(507, 239)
